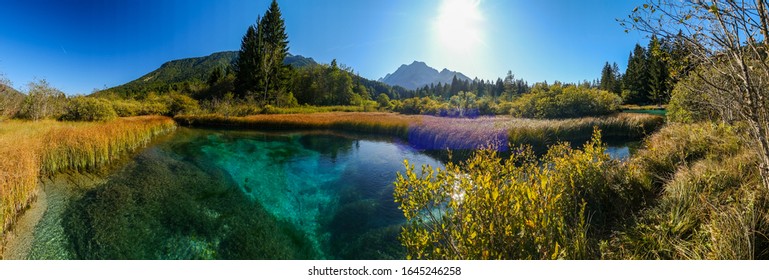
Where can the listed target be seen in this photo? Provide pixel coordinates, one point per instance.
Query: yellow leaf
(555, 253)
(530, 224)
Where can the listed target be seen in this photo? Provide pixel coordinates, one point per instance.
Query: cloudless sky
(80, 45)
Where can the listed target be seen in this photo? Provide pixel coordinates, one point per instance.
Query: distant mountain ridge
(189, 69)
(418, 74)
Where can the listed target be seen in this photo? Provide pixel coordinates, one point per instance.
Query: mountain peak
(418, 74)
(419, 63)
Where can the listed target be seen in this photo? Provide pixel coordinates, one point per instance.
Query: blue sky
(82, 45)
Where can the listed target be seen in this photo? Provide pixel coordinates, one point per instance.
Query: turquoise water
(247, 195)
(205, 194)
(650, 112)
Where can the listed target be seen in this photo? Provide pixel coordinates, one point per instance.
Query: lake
(212, 194)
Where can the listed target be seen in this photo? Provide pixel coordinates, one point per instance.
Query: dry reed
(29, 150)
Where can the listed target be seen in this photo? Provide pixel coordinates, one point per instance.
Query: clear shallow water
(204, 194)
(247, 195)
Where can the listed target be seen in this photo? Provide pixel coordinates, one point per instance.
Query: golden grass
(430, 132)
(29, 150)
(705, 199)
(384, 123)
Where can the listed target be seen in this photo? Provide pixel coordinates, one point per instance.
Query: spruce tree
(259, 68)
(276, 46)
(636, 81)
(215, 76)
(607, 78)
(247, 66)
(659, 77)
(617, 86)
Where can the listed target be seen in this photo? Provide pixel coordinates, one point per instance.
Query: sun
(459, 25)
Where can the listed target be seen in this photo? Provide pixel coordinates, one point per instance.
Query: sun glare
(459, 25)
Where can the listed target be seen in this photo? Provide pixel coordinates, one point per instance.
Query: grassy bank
(706, 199)
(692, 192)
(29, 150)
(429, 132)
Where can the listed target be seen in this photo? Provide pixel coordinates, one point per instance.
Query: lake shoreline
(17, 242)
(58, 190)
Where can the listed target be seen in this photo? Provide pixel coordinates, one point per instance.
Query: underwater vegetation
(162, 208)
(29, 150)
(246, 195)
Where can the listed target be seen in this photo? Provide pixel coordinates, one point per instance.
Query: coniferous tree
(659, 78)
(636, 81)
(247, 66)
(456, 87)
(607, 77)
(610, 78)
(260, 65)
(499, 88)
(215, 76)
(617, 87)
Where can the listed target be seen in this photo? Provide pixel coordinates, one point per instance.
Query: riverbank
(31, 151)
(41, 222)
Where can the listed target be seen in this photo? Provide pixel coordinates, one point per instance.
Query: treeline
(651, 72)
(542, 101)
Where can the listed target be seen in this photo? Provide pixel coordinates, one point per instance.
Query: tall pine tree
(607, 78)
(659, 77)
(276, 48)
(611, 78)
(636, 81)
(247, 66)
(260, 67)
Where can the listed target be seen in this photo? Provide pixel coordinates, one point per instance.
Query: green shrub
(689, 103)
(383, 100)
(88, 109)
(558, 101)
(153, 107)
(182, 104)
(127, 108)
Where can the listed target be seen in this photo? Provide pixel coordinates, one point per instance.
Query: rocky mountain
(418, 74)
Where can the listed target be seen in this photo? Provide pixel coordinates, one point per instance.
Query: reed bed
(436, 133)
(377, 123)
(29, 150)
(86, 148)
